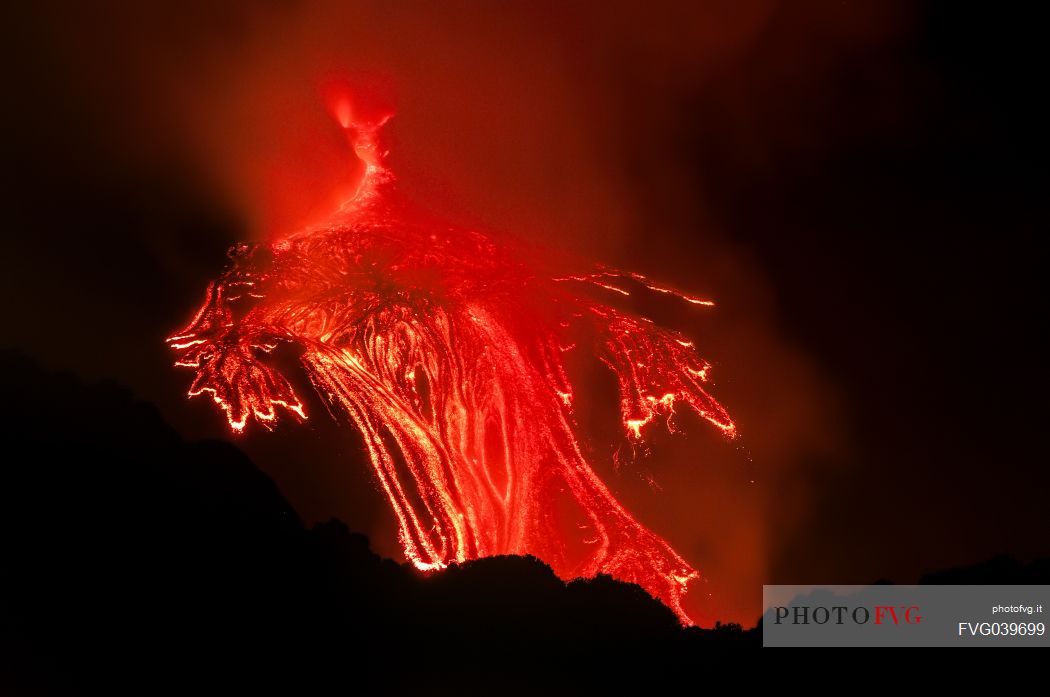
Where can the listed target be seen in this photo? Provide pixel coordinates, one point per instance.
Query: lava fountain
(445, 351)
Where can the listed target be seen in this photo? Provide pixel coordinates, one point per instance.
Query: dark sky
(859, 185)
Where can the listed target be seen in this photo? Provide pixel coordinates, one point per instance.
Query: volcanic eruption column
(446, 354)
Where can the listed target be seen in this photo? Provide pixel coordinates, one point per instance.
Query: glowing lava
(447, 355)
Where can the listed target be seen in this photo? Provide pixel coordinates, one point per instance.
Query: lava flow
(446, 353)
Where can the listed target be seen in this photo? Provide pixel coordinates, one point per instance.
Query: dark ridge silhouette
(136, 562)
(998, 570)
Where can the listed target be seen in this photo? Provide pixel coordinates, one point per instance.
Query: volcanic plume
(445, 350)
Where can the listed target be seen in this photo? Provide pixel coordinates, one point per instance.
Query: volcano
(446, 351)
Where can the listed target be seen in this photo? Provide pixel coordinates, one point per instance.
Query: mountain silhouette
(135, 561)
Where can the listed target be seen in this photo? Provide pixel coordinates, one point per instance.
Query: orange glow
(445, 353)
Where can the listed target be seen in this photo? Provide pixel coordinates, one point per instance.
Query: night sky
(859, 185)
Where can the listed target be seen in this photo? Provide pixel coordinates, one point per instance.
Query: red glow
(446, 352)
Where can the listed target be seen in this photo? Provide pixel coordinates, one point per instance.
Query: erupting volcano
(446, 351)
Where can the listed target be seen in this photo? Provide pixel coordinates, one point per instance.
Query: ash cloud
(772, 156)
